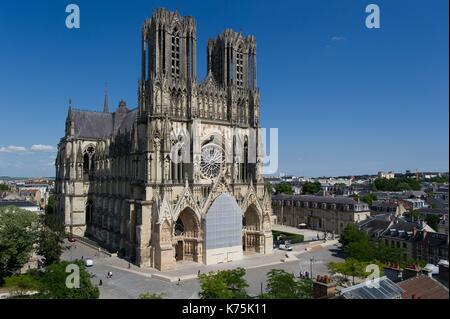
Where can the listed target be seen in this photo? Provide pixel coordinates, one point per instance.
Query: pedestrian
(179, 281)
(82, 257)
(129, 265)
(100, 282)
(198, 274)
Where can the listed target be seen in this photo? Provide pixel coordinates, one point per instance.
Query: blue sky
(346, 99)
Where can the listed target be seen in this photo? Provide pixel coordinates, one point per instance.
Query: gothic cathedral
(179, 177)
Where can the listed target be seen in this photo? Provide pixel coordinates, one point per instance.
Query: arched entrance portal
(252, 227)
(186, 239)
(223, 231)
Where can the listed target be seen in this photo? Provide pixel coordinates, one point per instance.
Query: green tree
(150, 296)
(350, 234)
(283, 188)
(4, 187)
(50, 283)
(350, 267)
(369, 198)
(360, 250)
(50, 207)
(414, 214)
(269, 187)
(385, 253)
(283, 285)
(311, 187)
(433, 221)
(403, 186)
(53, 281)
(354, 268)
(396, 184)
(226, 284)
(50, 238)
(20, 285)
(438, 179)
(18, 232)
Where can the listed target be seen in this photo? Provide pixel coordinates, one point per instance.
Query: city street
(129, 281)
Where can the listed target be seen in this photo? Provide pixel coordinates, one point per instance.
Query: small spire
(70, 104)
(105, 102)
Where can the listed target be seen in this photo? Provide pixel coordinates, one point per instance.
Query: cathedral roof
(90, 124)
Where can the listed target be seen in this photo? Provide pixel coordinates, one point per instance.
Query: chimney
(393, 272)
(443, 271)
(323, 287)
(411, 272)
(427, 272)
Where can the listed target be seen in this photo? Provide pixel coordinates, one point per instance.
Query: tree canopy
(51, 283)
(283, 188)
(18, 233)
(226, 284)
(283, 285)
(50, 238)
(358, 245)
(23, 233)
(369, 198)
(396, 184)
(310, 188)
(150, 296)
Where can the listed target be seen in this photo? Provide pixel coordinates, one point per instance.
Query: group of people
(304, 275)
(326, 235)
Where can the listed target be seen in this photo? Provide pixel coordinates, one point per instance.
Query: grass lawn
(294, 238)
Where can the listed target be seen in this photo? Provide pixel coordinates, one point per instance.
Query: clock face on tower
(211, 160)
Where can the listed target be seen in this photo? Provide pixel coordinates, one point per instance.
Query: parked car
(72, 239)
(88, 262)
(285, 247)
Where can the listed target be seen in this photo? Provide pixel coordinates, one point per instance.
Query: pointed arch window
(175, 54)
(89, 162)
(240, 67)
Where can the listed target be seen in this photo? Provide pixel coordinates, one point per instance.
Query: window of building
(175, 54)
(240, 68)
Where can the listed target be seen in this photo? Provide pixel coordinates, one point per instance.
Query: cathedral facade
(180, 176)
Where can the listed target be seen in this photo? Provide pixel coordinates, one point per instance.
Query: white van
(88, 262)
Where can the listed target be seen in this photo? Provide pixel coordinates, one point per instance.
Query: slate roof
(374, 226)
(127, 122)
(384, 203)
(97, 125)
(90, 124)
(317, 199)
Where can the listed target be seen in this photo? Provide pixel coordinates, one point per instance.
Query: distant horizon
(270, 175)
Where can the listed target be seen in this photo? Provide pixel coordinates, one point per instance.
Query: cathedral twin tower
(179, 177)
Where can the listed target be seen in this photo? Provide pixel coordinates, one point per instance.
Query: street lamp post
(311, 261)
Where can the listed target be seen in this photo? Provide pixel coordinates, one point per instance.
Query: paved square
(129, 281)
